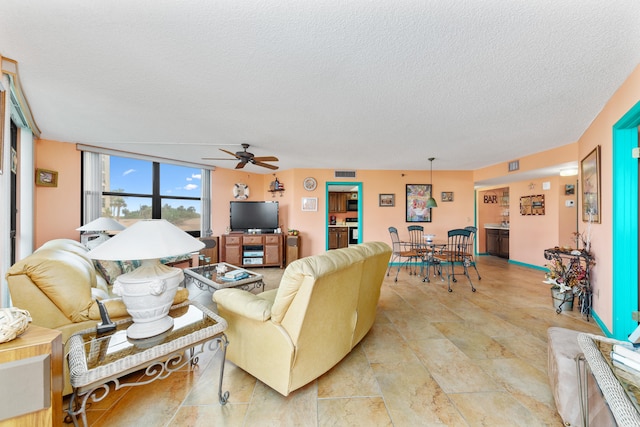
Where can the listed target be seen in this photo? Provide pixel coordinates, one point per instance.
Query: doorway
(625, 230)
(343, 214)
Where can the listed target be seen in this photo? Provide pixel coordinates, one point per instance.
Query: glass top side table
(98, 361)
(619, 389)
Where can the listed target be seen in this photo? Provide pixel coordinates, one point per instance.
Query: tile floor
(432, 358)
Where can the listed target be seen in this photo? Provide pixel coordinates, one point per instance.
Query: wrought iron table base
(157, 370)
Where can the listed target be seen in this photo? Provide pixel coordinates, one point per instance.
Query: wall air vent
(344, 174)
(514, 165)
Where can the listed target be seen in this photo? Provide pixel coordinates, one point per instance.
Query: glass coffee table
(97, 362)
(206, 277)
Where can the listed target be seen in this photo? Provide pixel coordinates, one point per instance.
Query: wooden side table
(35, 357)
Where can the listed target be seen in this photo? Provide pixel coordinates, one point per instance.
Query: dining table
(431, 246)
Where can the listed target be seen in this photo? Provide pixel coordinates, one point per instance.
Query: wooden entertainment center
(253, 250)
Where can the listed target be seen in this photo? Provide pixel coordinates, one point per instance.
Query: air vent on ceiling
(514, 165)
(344, 174)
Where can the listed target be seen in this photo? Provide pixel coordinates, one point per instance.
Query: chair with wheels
(456, 254)
(472, 248)
(402, 252)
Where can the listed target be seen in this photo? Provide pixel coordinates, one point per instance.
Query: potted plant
(562, 293)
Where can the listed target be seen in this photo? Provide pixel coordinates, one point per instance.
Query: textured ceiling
(324, 84)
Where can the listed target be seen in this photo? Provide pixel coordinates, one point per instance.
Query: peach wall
(375, 220)
(57, 209)
(556, 156)
(600, 133)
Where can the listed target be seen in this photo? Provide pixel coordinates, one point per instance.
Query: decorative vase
(562, 300)
(147, 293)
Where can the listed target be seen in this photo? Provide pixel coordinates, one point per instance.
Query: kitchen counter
(496, 226)
(347, 224)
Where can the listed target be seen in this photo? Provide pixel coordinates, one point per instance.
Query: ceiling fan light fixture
(431, 202)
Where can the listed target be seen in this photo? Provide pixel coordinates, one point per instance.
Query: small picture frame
(447, 196)
(46, 178)
(309, 204)
(569, 190)
(386, 200)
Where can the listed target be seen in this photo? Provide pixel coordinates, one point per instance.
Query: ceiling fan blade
(240, 165)
(265, 165)
(266, 159)
(230, 153)
(216, 158)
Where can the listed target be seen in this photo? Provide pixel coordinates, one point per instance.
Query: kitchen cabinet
(498, 242)
(338, 202)
(338, 237)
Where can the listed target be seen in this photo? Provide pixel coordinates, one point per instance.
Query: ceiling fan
(246, 157)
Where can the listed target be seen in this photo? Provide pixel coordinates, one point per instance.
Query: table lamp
(148, 291)
(100, 227)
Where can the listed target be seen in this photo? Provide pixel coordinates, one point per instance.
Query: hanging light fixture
(431, 203)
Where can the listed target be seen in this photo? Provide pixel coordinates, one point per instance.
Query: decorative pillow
(110, 270)
(129, 266)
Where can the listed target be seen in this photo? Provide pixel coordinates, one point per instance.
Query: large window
(135, 189)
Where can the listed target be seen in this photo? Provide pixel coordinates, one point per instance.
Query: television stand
(253, 250)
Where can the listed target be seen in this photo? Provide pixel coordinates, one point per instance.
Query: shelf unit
(253, 250)
(577, 265)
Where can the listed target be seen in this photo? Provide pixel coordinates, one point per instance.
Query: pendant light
(431, 203)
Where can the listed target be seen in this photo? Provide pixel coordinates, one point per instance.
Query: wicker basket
(13, 322)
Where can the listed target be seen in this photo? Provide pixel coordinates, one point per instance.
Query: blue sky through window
(135, 176)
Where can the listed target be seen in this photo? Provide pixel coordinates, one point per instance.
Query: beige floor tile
(494, 409)
(472, 342)
(353, 376)
(412, 325)
(413, 397)
(269, 408)
(383, 343)
(353, 412)
(454, 371)
(526, 384)
(229, 415)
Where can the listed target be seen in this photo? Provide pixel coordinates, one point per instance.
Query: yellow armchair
(324, 306)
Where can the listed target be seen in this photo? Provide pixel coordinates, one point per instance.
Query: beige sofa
(58, 284)
(324, 306)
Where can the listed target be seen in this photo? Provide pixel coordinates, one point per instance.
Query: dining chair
(402, 252)
(472, 248)
(416, 240)
(456, 254)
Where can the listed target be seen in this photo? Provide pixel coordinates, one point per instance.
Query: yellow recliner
(324, 306)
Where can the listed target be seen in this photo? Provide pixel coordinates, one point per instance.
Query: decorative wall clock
(309, 184)
(240, 191)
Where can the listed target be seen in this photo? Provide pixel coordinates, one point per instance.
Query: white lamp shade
(147, 239)
(102, 224)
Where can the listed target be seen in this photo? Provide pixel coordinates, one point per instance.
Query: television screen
(261, 216)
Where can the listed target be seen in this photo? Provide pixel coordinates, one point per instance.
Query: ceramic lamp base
(147, 293)
(149, 329)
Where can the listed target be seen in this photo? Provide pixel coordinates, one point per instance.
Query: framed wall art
(387, 200)
(309, 204)
(417, 196)
(532, 205)
(447, 196)
(590, 185)
(46, 178)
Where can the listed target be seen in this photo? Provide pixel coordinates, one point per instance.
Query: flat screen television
(258, 217)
